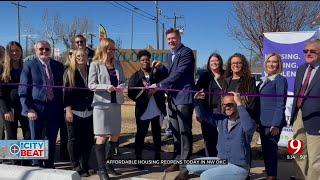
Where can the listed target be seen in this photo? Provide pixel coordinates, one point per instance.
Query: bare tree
(118, 43)
(66, 32)
(49, 24)
(257, 17)
(31, 36)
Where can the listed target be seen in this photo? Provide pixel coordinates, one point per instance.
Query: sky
(204, 22)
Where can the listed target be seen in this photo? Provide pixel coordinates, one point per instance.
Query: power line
(136, 8)
(128, 11)
(133, 11)
(120, 7)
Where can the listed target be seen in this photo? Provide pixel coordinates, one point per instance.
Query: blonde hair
(280, 64)
(101, 51)
(7, 63)
(67, 63)
(71, 71)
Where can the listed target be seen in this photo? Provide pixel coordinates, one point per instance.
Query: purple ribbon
(170, 90)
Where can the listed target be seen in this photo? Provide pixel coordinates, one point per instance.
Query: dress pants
(305, 168)
(80, 140)
(12, 127)
(181, 120)
(46, 127)
(270, 150)
(142, 130)
(210, 137)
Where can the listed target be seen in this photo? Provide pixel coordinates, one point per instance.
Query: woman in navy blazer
(272, 116)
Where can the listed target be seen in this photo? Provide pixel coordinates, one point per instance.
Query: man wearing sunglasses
(235, 131)
(80, 42)
(305, 115)
(41, 103)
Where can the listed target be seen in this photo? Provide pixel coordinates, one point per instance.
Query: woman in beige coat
(106, 79)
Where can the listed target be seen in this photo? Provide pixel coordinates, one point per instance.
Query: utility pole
(175, 20)
(18, 12)
(131, 30)
(250, 57)
(27, 37)
(162, 36)
(157, 24)
(91, 39)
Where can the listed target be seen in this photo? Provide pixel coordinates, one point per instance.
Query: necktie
(49, 81)
(304, 87)
(172, 57)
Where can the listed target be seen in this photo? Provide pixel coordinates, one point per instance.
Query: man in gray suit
(181, 77)
(306, 112)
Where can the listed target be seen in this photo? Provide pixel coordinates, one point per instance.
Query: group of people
(89, 106)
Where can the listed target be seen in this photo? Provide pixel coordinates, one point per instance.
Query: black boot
(101, 159)
(110, 168)
(157, 156)
(103, 175)
(139, 166)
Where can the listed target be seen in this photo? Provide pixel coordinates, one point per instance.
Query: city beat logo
(295, 147)
(28, 149)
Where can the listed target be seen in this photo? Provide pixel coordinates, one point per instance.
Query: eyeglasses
(145, 60)
(236, 63)
(228, 105)
(111, 49)
(312, 51)
(41, 49)
(79, 42)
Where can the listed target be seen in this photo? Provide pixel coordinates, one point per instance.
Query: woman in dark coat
(10, 107)
(210, 81)
(149, 107)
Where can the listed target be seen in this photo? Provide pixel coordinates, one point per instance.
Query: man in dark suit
(180, 103)
(305, 115)
(43, 105)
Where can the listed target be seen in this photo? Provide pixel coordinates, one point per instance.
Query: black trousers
(63, 140)
(80, 140)
(210, 137)
(12, 127)
(2, 127)
(181, 119)
(142, 130)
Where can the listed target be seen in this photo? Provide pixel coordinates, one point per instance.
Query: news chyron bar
(166, 162)
(24, 149)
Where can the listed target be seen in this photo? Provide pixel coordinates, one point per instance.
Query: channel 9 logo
(295, 147)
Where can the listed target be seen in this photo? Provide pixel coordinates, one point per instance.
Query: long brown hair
(7, 64)
(221, 70)
(71, 71)
(244, 87)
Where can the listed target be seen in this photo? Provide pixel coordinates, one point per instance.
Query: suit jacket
(136, 80)
(99, 80)
(207, 82)
(181, 76)
(310, 106)
(78, 99)
(35, 97)
(272, 108)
